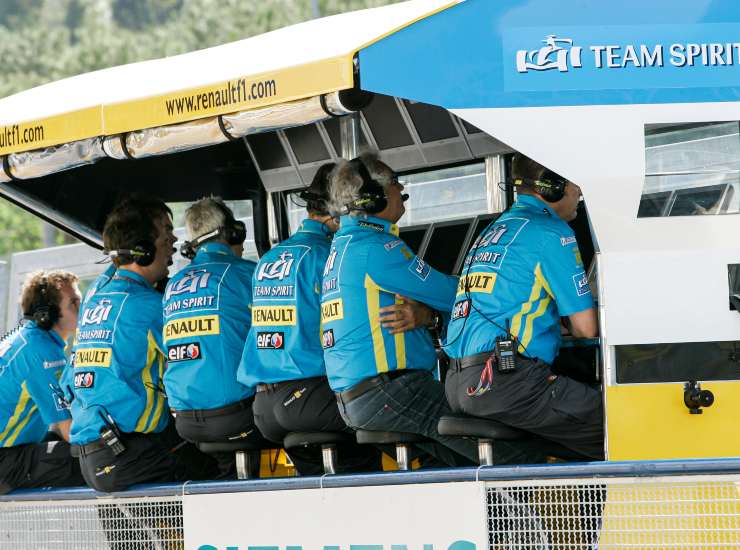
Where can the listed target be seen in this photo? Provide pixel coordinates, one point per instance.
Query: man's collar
(214, 248)
(539, 204)
(313, 226)
(369, 223)
(123, 274)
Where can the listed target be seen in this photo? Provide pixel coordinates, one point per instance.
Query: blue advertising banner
(517, 53)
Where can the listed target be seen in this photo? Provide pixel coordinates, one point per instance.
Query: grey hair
(204, 216)
(344, 188)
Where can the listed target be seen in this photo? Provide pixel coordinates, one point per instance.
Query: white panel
(666, 278)
(445, 516)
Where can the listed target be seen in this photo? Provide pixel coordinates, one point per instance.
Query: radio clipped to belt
(503, 356)
(111, 436)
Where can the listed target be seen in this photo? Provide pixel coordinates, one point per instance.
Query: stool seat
(368, 437)
(471, 426)
(305, 439)
(210, 447)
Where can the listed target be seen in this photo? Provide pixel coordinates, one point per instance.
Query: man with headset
(383, 378)
(283, 357)
(206, 320)
(31, 402)
(121, 426)
(522, 274)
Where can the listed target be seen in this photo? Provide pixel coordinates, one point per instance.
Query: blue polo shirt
(206, 321)
(31, 362)
(285, 340)
(368, 265)
(524, 268)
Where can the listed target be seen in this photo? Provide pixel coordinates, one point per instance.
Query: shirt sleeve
(42, 384)
(563, 272)
(398, 270)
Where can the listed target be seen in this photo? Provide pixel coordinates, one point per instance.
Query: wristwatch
(436, 323)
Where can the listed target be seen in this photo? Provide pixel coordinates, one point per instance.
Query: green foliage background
(46, 40)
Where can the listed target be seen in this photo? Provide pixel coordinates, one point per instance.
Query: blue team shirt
(285, 340)
(31, 361)
(367, 265)
(119, 360)
(525, 267)
(206, 321)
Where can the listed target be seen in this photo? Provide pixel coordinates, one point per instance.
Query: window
(242, 211)
(691, 170)
(434, 196)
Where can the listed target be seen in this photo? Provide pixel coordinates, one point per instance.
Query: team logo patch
(273, 315)
(333, 310)
(191, 326)
(183, 352)
(93, 357)
(476, 282)
(327, 338)
(420, 268)
(270, 340)
(84, 380)
(278, 269)
(581, 283)
(461, 309)
(393, 244)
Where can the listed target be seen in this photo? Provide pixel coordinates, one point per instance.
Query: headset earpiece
(372, 199)
(142, 254)
(550, 186)
(44, 313)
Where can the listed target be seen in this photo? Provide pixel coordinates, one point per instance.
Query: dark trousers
(46, 464)
(231, 426)
(309, 405)
(148, 458)
(531, 398)
(412, 403)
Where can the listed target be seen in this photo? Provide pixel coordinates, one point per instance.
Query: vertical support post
(329, 458)
(485, 452)
(402, 456)
(349, 132)
(495, 175)
(242, 465)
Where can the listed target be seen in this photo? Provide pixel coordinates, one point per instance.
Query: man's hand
(407, 315)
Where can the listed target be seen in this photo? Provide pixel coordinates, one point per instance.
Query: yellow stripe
(540, 311)
(372, 294)
(19, 408)
(19, 429)
(160, 397)
(516, 321)
(146, 380)
(400, 340)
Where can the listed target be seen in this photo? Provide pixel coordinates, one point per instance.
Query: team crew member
(383, 380)
(283, 357)
(523, 274)
(31, 402)
(207, 317)
(120, 417)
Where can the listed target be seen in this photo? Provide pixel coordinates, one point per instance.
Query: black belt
(369, 383)
(274, 386)
(480, 359)
(87, 448)
(207, 413)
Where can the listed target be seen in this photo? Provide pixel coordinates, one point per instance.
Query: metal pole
(349, 130)
(315, 10)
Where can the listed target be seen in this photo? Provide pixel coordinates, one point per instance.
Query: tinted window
(269, 151)
(432, 123)
(386, 124)
(307, 144)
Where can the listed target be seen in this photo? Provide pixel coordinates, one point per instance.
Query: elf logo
(84, 380)
(183, 352)
(270, 340)
(327, 339)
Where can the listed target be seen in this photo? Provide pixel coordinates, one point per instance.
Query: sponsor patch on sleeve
(270, 340)
(565, 241)
(327, 338)
(581, 283)
(420, 268)
(84, 380)
(184, 352)
(393, 244)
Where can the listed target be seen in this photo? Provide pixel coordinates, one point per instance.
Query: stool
(326, 440)
(401, 440)
(484, 430)
(242, 448)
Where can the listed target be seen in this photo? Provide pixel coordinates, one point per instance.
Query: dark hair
(131, 222)
(316, 195)
(524, 167)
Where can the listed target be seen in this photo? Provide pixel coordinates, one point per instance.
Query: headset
(316, 194)
(233, 231)
(372, 199)
(43, 312)
(142, 253)
(550, 186)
